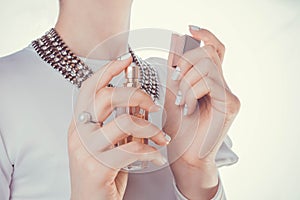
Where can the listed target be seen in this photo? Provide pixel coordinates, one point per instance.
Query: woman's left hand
(199, 119)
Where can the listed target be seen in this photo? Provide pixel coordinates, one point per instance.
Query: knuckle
(234, 106)
(210, 48)
(237, 103)
(137, 147)
(222, 47)
(104, 92)
(104, 96)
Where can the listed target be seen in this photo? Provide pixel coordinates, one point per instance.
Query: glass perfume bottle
(132, 80)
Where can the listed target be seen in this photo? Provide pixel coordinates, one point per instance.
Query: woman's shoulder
(18, 62)
(23, 70)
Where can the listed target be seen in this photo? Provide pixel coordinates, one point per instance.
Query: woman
(37, 156)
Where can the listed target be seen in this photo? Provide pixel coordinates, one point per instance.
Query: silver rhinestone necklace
(52, 49)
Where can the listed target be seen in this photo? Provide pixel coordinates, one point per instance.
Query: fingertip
(190, 107)
(194, 28)
(164, 160)
(167, 138)
(160, 161)
(124, 60)
(155, 108)
(161, 139)
(185, 110)
(125, 57)
(183, 101)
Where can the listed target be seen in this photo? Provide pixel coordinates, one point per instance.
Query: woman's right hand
(94, 161)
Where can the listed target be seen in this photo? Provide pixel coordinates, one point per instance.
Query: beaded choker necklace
(52, 49)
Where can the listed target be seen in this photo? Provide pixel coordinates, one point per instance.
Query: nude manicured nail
(194, 28)
(168, 138)
(164, 160)
(176, 74)
(124, 57)
(178, 98)
(155, 108)
(185, 109)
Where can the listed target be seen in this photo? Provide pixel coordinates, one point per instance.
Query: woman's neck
(87, 27)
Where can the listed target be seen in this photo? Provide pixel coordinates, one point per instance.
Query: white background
(261, 66)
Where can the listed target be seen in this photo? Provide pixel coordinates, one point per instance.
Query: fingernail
(155, 108)
(176, 74)
(178, 98)
(185, 109)
(168, 138)
(124, 57)
(164, 160)
(194, 28)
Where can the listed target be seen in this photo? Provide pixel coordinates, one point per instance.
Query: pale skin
(94, 174)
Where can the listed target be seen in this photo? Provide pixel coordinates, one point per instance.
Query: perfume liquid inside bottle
(132, 80)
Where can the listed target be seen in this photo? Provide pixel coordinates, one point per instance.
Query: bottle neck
(132, 76)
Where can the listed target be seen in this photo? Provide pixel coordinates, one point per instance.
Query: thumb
(104, 75)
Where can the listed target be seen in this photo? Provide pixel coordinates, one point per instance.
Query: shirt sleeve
(6, 170)
(220, 195)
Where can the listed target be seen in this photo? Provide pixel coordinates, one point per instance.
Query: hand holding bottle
(94, 161)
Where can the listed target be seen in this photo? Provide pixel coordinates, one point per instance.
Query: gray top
(35, 112)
